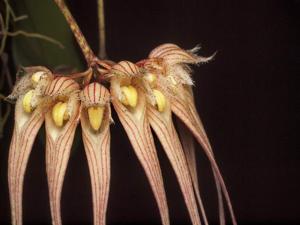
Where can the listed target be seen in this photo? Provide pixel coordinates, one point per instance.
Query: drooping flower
(129, 101)
(169, 62)
(160, 118)
(30, 111)
(144, 95)
(95, 121)
(61, 122)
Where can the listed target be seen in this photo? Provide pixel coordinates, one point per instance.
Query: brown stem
(85, 48)
(101, 29)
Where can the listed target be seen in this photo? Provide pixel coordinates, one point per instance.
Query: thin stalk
(101, 28)
(4, 26)
(84, 46)
(33, 35)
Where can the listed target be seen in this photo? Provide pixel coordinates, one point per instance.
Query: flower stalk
(83, 44)
(101, 30)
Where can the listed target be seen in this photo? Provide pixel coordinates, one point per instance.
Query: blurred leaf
(44, 18)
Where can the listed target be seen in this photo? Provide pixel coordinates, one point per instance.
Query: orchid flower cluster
(144, 95)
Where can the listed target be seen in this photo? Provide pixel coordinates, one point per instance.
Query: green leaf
(44, 18)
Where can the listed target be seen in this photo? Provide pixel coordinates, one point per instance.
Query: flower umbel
(144, 95)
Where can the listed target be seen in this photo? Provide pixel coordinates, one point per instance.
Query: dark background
(242, 97)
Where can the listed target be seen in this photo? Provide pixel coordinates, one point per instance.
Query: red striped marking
(158, 49)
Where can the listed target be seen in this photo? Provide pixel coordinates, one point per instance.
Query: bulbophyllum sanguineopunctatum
(144, 95)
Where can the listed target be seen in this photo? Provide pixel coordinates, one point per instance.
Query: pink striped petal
(137, 128)
(187, 142)
(125, 68)
(189, 149)
(191, 102)
(97, 148)
(58, 144)
(61, 86)
(173, 54)
(163, 126)
(26, 128)
(183, 107)
(25, 131)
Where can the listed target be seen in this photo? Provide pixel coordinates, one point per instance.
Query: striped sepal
(137, 128)
(125, 68)
(94, 94)
(184, 108)
(187, 142)
(172, 54)
(162, 124)
(24, 134)
(58, 146)
(61, 86)
(97, 149)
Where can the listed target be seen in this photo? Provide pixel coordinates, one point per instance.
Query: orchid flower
(144, 95)
(30, 112)
(61, 122)
(168, 64)
(95, 121)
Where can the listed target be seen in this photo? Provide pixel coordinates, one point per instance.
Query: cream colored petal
(137, 128)
(26, 128)
(187, 142)
(196, 116)
(183, 106)
(162, 124)
(173, 54)
(61, 86)
(58, 146)
(97, 148)
(159, 51)
(125, 68)
(189, 149)
(94, 94)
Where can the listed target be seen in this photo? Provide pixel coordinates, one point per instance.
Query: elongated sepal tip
(160, 100)
(95, 116)
(130, 96)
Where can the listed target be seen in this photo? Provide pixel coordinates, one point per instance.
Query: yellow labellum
(160, 100)
(96, 116)
(27, 101)
(130, 96)
(36, 77)
(59, 113)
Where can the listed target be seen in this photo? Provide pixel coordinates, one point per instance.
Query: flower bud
(130, 96)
